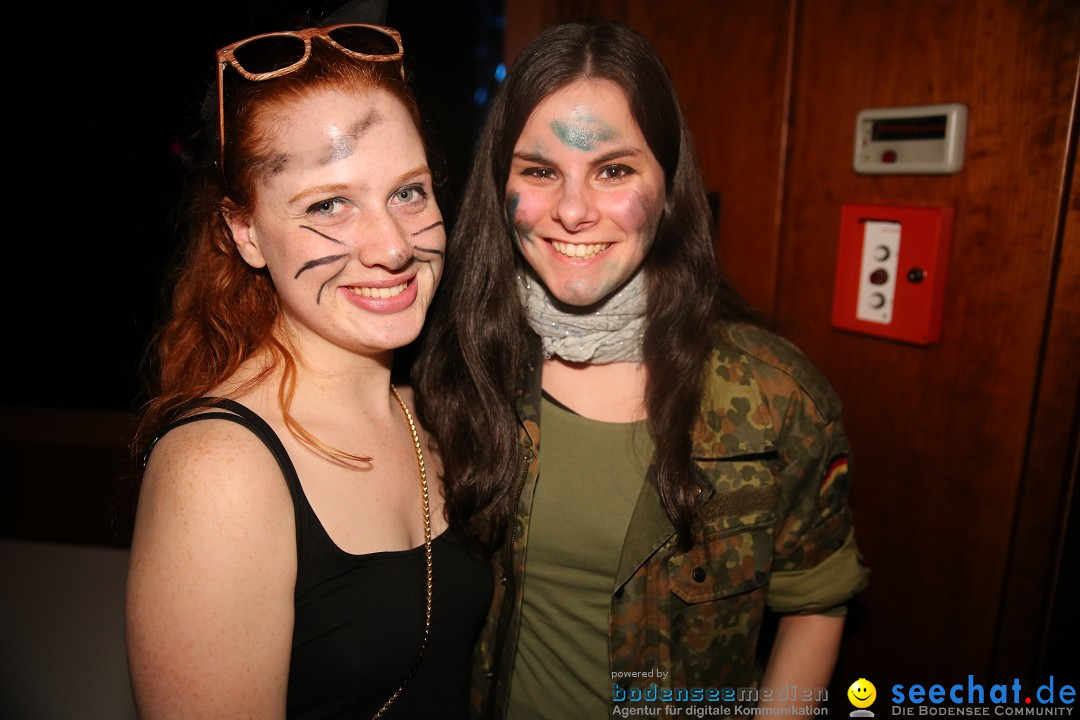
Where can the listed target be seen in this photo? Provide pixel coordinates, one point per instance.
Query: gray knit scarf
(609, 331)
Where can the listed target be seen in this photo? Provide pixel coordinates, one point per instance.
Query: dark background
(100, 101)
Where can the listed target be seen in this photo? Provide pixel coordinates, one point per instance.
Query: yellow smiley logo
(862, 693)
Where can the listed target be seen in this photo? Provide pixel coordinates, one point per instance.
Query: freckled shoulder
(777, 363)
(221, 460)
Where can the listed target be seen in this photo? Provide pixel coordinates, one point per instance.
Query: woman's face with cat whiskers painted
(345, 221)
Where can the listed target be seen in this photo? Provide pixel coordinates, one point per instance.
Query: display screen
(931, 127)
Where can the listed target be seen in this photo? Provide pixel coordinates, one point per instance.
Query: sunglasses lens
(364, 40)
(267, 54)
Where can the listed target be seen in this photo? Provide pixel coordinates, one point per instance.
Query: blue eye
(325, 207)
(411, 196)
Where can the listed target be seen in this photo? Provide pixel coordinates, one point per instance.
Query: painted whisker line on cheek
(323, 235)
(318, 297)
(432, 226)
(427, 249)
(317, 262)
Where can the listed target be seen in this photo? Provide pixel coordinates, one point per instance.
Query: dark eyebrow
(615, 154)
(536, 158)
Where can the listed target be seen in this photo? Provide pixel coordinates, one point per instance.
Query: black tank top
(359, 619)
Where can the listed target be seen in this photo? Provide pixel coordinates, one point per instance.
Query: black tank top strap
(225, 409)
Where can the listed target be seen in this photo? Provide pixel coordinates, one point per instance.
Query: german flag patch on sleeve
(837, 468)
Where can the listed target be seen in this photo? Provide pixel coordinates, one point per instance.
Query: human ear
(243, 234)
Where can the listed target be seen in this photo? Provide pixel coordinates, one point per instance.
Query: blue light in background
(500, 72)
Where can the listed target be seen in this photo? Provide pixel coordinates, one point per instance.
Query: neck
(361, 389)
(329, 376)
(329, 383)
(612, 392)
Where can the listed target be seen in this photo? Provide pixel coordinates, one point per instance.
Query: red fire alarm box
(890, 271)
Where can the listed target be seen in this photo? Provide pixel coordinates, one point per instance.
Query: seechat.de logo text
(973, 698)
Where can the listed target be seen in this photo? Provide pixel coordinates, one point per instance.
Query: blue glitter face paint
(583, 131)
(511, 212)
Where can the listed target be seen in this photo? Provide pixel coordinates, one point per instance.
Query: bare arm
(803, 655)
(210, 588)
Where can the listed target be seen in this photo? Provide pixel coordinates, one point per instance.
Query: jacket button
(698, 574)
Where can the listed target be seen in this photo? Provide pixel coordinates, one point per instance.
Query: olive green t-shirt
(591, 474)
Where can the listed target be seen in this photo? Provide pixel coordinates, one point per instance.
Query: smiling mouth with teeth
(579, 251)
(373, 292)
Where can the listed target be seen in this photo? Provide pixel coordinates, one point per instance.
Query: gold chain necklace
(427, 550)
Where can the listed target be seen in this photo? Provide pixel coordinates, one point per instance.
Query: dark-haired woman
(290, 556)
(653, 470)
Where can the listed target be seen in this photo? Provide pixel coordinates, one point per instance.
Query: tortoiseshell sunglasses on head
(271, 55)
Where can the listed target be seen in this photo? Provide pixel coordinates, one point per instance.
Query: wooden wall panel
(1038, 572)
(940, 433)
(730, 62)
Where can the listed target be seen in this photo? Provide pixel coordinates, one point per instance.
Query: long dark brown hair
(222, 310)
(476, 350)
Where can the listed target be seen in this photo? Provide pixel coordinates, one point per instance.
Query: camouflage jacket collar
(735, 419)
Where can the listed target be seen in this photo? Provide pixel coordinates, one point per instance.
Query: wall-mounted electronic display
(923, 139)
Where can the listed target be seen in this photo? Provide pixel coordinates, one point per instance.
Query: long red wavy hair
(222, 311)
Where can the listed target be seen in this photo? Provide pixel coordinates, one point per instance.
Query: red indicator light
(889, 156)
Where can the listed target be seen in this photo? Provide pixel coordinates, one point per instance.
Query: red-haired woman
(290, 555)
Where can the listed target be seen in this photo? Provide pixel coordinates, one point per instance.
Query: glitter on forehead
(583, 131)
(343, 145)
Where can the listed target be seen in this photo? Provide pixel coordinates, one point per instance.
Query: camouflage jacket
(774, 475)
